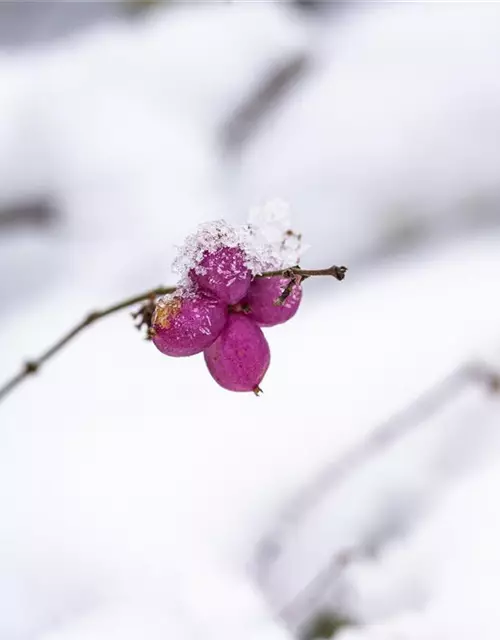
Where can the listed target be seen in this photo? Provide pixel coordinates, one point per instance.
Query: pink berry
(262, 296)
(183, 326)
(239, 358)
(224, 274)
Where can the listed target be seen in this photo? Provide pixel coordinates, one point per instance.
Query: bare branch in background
(249, 116)
(384, 436)
(40, 213)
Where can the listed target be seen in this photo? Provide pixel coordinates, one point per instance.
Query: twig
(31, 367)
(336, 272)
(282, 298)
(296, 275)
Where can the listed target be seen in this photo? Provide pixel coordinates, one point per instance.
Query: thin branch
(296, 275)
(31, 367)
(296, 280)
(336, 272)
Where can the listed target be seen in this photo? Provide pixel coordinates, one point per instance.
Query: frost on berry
(262, 299)
(265, 243)
(257, 254)
(183, 325)
(223, 273)
(239, 358)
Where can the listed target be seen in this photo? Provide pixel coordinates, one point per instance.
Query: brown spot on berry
(166, 311)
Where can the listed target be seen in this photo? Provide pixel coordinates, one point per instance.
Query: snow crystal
(266, 240)
(211, 236)
(274, 221)
(273, 217)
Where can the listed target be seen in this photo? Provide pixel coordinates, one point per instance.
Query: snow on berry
(239, 358)
(220, 268)
(266, 243)
(224, 274)
(186, 324)
(262, 300)
(258, 254)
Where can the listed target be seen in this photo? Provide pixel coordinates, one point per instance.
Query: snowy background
(359, 494)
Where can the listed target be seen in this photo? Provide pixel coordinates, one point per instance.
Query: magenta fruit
(224, 274)
(239, 358)
(185, 325)
(262, 299)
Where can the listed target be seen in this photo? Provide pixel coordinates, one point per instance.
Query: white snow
(134, 473)
(133, 490)
(119, 125)
(266, 240)
(393, 135)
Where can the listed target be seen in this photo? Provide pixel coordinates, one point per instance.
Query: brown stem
(31, 367)
(296, 275)
(334, 271)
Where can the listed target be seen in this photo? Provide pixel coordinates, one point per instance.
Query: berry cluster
(220, 308)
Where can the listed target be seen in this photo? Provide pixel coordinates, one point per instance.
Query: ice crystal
(266, 241)
(273, 221)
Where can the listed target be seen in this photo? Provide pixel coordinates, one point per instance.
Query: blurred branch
(386, 435)
(140, 6)
(144, 315)
(249, 115)
(326, 625)
(37, 213)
